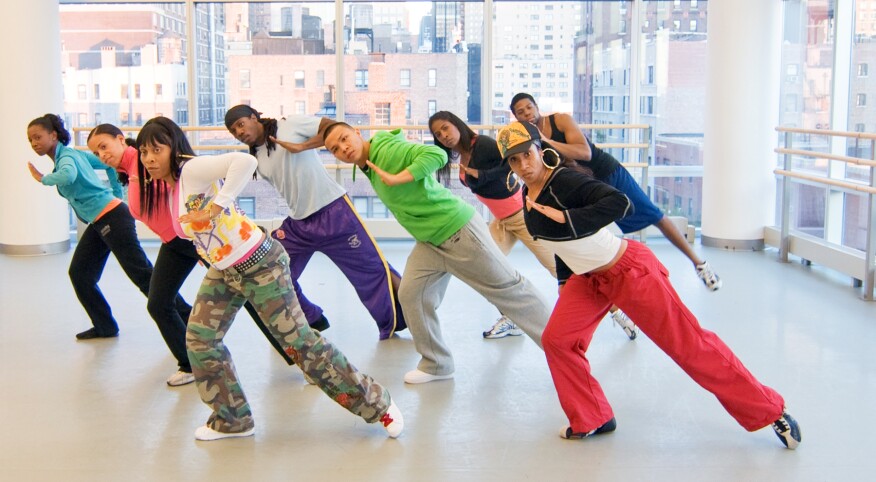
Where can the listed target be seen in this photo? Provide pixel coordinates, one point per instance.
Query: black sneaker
(321, 324)
(788, 431)
(92, 333)
(567, 433)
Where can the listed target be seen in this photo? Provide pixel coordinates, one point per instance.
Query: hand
(552, 213)
(201, 216)
(292, 147)
(471, 172)
(390, 179)
(540, 133)
(35, 172)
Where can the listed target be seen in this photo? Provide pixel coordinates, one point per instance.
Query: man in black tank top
(567, 139)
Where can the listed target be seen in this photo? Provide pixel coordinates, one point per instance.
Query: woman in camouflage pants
(246, 265)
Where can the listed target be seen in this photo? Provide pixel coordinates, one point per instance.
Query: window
(407, 109)
(96, 91)
(381, 113)
(299, 79)
(159, 90)
(693, 4)
(650, 74)
(244, 79)
(433, 78)
(861, 100)
(81, 91)
(320, 78)
(693, 25)
(860, 128)
(433, 107)
(124, 91)
(136, 91)
(138, 118)
(83, 119)
(300, 108)
(405, 78)
(247, 204)
(362, 79)
(863, 70)
(676, 25)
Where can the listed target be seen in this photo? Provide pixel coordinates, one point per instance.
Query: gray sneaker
(709, 277)
(502, 328)
(622, 320)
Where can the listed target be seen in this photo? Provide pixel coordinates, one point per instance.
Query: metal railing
(379, 226)
(853, 262)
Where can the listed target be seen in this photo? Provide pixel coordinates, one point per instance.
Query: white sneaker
(180, 378)
(622, 320)
(207, 434)
(392, 420)
(502, 328)
(709, 277)
(416, 376)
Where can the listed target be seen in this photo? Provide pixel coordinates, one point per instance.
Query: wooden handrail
(827, 181)
(820, 132)
(824, 155)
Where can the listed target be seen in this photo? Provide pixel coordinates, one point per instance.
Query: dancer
(245, 265)
(321, 216)
(562, 134)
(110, 225)
(569, 211)
(482, 170)
(451, 239)
(176, 259)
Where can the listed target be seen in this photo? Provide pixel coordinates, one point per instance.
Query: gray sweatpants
(472, 256)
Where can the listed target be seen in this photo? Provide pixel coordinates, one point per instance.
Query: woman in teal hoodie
(110, 224)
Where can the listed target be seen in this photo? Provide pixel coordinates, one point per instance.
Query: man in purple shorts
(321, 216)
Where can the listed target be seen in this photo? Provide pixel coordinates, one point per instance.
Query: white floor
(100, 410)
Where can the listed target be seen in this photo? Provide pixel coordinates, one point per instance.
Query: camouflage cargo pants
(268, 286)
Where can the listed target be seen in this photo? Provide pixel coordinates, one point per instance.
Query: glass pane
(862, 118)
(404, 61)
(672, 83)
(807, 78)
(123, 64)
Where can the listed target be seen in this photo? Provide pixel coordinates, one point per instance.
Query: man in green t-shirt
(451, 239)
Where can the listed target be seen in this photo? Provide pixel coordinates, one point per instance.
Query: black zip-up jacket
(491, 182)
(587, 204)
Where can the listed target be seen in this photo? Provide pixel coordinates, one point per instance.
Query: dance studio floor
(100, 410)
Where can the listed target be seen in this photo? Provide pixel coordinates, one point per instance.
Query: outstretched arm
(314, 142)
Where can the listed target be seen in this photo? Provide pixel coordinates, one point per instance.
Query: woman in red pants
(567, 211)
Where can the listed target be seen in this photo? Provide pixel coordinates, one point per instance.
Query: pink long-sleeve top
(160, 222)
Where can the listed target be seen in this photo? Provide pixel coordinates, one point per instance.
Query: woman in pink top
(176, 257)
(482, 170)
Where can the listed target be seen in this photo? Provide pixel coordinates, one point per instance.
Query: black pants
(113, 232)
(176, 260)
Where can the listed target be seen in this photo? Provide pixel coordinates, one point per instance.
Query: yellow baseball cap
(516, 138)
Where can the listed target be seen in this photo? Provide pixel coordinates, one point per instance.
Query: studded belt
(255, 257)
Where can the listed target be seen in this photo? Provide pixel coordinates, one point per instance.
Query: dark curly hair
(52, 123)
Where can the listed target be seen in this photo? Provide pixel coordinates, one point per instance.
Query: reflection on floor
(100, 410)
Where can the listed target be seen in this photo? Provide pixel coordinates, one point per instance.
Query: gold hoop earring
(508, 181)
(556, 154)
(148, 178)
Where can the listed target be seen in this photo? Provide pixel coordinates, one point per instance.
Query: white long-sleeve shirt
(231, 236)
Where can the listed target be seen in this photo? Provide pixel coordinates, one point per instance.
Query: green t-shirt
(425, 208)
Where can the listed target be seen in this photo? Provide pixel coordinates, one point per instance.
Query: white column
(742, 104)
(35, 217)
